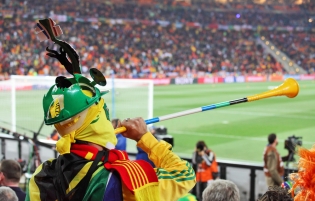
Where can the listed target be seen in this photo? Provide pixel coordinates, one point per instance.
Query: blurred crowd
(299, 46)
(145, 50)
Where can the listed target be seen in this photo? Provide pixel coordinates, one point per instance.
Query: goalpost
(21, 98)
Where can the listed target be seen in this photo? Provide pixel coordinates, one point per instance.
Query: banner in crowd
(296, 77)
(184, 80)
(162, 81)
(275, 78)
(210, 80)
(307, 77)
(256, 78)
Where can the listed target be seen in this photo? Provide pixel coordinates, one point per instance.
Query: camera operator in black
(290, 145)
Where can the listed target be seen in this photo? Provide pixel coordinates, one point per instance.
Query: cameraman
(273, 165)
(205, 166)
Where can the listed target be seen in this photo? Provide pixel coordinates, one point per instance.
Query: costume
(206, 168)
(303, 187)
(142, 155)
(82, 171)
(273, 166)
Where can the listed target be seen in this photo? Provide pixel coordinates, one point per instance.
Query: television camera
(290, 144)
(160, 133)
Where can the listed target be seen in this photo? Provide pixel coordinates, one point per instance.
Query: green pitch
(237, 132)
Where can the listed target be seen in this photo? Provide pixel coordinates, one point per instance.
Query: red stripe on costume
(139, 175)
(134, 174)
(148, 169)
(145, 167)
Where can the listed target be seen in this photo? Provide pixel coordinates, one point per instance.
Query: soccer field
(237, 132)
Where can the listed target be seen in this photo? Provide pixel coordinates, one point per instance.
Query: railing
(47, 151)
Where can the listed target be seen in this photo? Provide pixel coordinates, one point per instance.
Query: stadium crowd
(140, 49)
(299, 46)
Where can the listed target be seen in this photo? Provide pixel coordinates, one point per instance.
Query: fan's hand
(62, 58)
(136, 128)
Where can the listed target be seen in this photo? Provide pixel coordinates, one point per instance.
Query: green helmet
(70, 96)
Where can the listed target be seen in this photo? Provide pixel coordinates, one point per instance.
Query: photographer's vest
(204, 172)
(279, 161)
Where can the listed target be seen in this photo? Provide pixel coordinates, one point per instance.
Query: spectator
(205, 165)
(188, 197)
(10, 175)
(148, 50)
(88, 165)
(276, 193)
(54, 135)
(273, 165)
(221, 190)
(7, 194)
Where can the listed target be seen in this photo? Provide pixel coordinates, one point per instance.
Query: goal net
(21, 98)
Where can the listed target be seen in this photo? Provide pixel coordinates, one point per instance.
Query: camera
(290, 145)
(160, 133)
(292, 142)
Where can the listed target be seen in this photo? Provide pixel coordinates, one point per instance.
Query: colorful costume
(304, 180)
(82, 171)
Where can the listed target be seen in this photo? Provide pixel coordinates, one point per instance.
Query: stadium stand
(158, 40)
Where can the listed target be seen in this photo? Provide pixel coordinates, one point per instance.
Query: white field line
(238, 137)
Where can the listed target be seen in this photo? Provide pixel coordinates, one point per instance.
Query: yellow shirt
(176, 176)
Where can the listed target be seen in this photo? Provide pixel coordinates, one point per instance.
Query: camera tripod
(288, 170)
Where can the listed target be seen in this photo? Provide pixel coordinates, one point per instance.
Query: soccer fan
(10, 175)
(88, 167)
(7, 194)
(221, 190)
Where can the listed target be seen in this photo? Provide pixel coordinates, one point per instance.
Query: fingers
(51, 55)
(51, 51)
(116, 123)
(135, 128)
(128, 123)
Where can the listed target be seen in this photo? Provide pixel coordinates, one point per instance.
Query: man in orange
(273, 165)
(206, 167)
